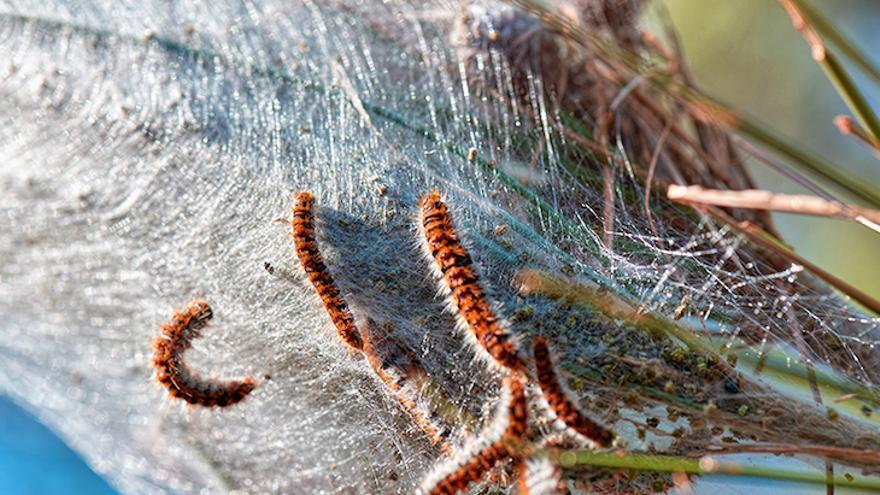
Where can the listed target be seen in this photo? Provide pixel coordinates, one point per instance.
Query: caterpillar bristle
(539, 477)
(471, 466)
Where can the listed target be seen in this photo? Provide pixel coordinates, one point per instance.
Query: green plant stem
(851, 95)
(707, 465)
(833, 69)
(614, 307)
(844, 44)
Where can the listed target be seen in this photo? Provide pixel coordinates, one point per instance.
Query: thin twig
(608, 205)
(652, 167)
(847, 47)
(847, 127)
(756, 199)
(600, 133)
(783, 168)
(866, 456)
(807, 159)
(835, 71)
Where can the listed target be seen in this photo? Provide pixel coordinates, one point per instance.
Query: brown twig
(847, 127)
(834, 70)
(652, 167)
(600, 134)
(757, 199)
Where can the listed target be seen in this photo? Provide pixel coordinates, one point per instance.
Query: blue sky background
(34, 461)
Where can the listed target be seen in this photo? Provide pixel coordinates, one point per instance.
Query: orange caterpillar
(395, 367)
(403, 374)
(303, 235)
(176, 376)
(455, 269)
(559, 402)
(473, 468)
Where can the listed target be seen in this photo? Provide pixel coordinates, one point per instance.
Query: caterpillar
(175, 375)
(455, 272)
(303, 234)
(397, 369)
(455, 476)
(559, 402)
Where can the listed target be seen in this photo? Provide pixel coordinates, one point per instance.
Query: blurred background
(744, 52)
(747, 53)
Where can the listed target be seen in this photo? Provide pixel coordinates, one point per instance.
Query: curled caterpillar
(455, 476)
(175, 375)
(303, 234)
(455, 271)
(560, 403)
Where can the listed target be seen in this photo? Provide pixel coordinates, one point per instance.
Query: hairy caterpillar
(456, 475)
(559, 401)
(175, 375)
(398, 369)
(303, 234)
(454, 269)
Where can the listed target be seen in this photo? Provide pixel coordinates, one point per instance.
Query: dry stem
(765, 200)
(847, 127)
